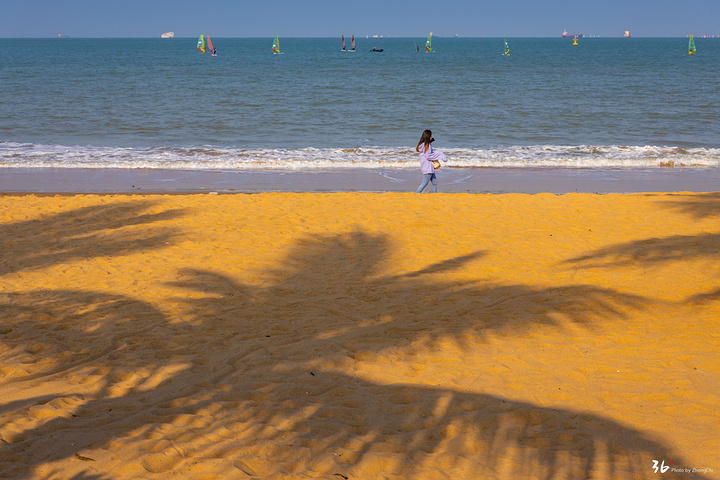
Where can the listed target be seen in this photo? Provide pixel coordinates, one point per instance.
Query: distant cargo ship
(167, 35)
(570, 35)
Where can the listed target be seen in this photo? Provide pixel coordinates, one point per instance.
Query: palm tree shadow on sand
(248, 373)
(664, 250)
(96, 230)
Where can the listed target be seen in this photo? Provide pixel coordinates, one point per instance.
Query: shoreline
(450, 180)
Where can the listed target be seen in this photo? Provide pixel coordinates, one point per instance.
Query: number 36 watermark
(659, 466)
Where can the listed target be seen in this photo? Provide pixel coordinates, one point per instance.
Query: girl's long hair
(426, 139)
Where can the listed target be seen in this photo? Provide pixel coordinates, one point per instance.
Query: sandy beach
(360, 336)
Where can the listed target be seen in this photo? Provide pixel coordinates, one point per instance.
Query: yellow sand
(359, 336)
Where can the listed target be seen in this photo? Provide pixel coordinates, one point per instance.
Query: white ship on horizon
(167, 35)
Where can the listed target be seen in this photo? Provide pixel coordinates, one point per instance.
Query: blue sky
(329, 18)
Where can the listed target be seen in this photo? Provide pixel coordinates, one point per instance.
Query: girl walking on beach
(427, 155)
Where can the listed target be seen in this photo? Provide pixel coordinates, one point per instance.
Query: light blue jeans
(427, 178)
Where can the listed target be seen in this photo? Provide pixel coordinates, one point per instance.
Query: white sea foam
(28, 155)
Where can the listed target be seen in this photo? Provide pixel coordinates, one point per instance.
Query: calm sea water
(159, 103)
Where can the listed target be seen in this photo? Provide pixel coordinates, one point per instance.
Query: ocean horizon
(337, 37)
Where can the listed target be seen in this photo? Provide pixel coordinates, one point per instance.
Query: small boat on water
(376, 49)
(627, 34)
(201, 46)
(213, 52)
(276, 46)
(691, 45)
(428, 43)
(507, 47)
(352, 45)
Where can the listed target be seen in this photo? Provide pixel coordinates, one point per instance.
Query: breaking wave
(29, 155)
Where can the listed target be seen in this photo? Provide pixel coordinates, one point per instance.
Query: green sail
(276, 45)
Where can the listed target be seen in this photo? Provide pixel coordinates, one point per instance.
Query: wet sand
(359, 336)
(450, 180)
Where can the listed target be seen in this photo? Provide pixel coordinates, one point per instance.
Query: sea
(161, 104)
